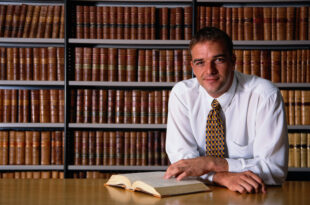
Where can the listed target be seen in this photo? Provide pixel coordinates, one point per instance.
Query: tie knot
(215, 104)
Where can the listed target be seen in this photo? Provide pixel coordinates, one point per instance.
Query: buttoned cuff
(235, 165)
(208, 177)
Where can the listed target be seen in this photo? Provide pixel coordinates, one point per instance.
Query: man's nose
(210, 67)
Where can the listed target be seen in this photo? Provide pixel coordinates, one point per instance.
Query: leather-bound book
(45, 106)
(265, 71)
(157, 148)
(297, 110)
(290, 24)
(222, 18)
(298, 65)
(303, 150)
(22, 63)
(234, 24)
(44, 72)
(35, 105)
(95, 106)
(303, 23)
(255, 62)
(52, 63)
(119, 135)
(14, 108)
(297, 155)
(169, 65)
(106, 22)
(28, 20)
(15, 20)
(2, 19)
(111, 106)
(151, 107)
(133, 148)
(216, 16)
(87, 105)
(12, 147)
(53, 148)
(291, 107)
(228, 21)
(144, 148)
(289, 66)
(1, 104)
(56, 21)
(85, 148)
(8, 20)
(139, 149)
(45, 147)
(258, 23)
(29, 63)
(112, 64)
(187, 69)
(305, 107)
(141, 66)
(241, 23)
(49, 22)
(112, 148)
(291, 153)
(136, 106)
(267, 16)
(99, 23)
(153, 22)
(144, 107)
(9, 64)
(20, 147)
(303, 66)
(54, 100)
(239, 60)
(95, 68)
(281, 23)
(273, 23)
(113, 22)
(5, 147)
(87, 64)
(62, 22)
(150, 148)
(79, 56)
(103, 76)
(77, 147)
(131, 67)
(79, 21)
(177, 62)
(103, 106)
(148, 65)
(276, 66)
(164, 23)
(36, 63)
(158, 107)
(201, 19)
(128, 106)
(35, 21)
(7, 105)
(172, 23)
(247, 61)
(99, 148)
(119, 107)
(141, 23)
(127, 22)
(165, 98)
(3, 63)
(20, 102)
(28, 147)
(86, 22)
(92, 148)
(126, 148)
(59, 146)
(162, 66)
(121, 64)
(294, 66)
(73, 105)
(60, 56)
(92, 22)
(42, 22)
(283, 66)
(16, 66)
(147, 16)
(155, 65)
(22, 20)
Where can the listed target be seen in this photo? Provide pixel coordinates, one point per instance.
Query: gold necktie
(215, 135)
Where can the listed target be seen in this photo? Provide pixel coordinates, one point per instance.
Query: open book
(154, 183)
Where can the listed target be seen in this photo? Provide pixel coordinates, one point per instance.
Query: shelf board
(33, 40)
(120, 84)
(293, 85)
(32, 125)
(134, 1)
(299, 127)
(31, 83)
(116, 126)
(116, 168)
(298, 169)
(31, 167)
(252, 1)
(272, 43)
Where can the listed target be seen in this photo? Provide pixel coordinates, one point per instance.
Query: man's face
(213, 67)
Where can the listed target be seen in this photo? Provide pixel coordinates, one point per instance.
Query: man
(252, 144)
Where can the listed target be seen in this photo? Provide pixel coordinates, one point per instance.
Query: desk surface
(93, 192)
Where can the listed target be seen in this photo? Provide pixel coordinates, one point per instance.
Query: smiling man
(224, 126)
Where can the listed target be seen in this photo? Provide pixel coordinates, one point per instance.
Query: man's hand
(196, 167)
(243, 182)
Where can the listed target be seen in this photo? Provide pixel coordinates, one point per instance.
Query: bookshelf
(69, 84)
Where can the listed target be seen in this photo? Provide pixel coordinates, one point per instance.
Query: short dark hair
(212, 34)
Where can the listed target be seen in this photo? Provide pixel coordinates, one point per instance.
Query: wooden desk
(92, 192)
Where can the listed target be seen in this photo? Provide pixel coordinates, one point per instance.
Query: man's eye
(219, 60)
(199, 63)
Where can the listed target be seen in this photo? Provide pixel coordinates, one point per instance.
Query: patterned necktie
(215, 136)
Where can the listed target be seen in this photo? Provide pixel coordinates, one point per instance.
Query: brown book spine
(106, 22)
(112, 64)
(248, 23)
(153, 22)
(28, 147)
(273, 23)
(305, 107)
(12, 147)
(127, 148)
(16, 67)
(111, 106)
(291, 155)
(20, 102)
(283, 66)
(169, 66)
(133, 148)
(60, 63)
(291, 107)
(120, 22)
(139, 149)
(37, 64)
(297, 112)
(113, 22)
(14, 106)
(45, 106)
(298, 66)
(52, 64)
(215, 16)
(86, 22)
(8, 21)
(92, 22)
(127, 25)
(276, 66)
(35, 105)
(45, 147)
(22, 63)
(49, 22)
(289, 65)
(22, 20)
(77, 147)
(229, 21)
(303, 23)
(42, 22)
(29, 63)
(106, 145)
(144, 148)
(258, 23)
(187, 69)
(7, 108)
(95, 68)
(281, 23)
(112, 148)
(99, 23)
(150, 147)
(128, 106)
(265, 71)
(79, 21)
(28, 20)
(177, 61)
(79, 63)
(247, 61)
(53, 148)
(165, 98)
(297, 155)
(2, 19)
(304, 66)
(188, 15)
(163, 22)
(241, 24)
(99, 147)
(158, 107)
(87, 64)
(3, 63)
(85, 148)
(201, 22)
(151, 107)
(16, 20)
(255, 62)
(162, 66)
(290, 24)
(144, 107)
(1, 105)
(5, 147)
(131, 68)
(119, 148)
(172, 24)
(103, 106)
(147, 16)
(303, 150)
(294, 66)
(59, 146)
(56, 21)
(92, 148)
(141, 66)
(35, 21)
(10, 64)
(209, 16)
(20, 147)
(87, 105)
(54, 100)
(222, 18)
(136, 106)
(121, 65)
(95, 106)
(239, 60)
(267, 13)
(119, 112)
(103, 76)
(155, 65)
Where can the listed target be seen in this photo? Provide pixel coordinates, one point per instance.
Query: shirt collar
(224, 99)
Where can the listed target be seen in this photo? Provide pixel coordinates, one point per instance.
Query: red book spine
(95, 106)
(103, 106)
(92, 22)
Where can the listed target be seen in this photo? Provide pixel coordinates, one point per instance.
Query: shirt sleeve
(270, 147)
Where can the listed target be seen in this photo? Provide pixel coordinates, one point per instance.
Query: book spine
(144, 107)
(92, 148)
(52, 63)
(283, 66)
(56, 21)
(99, 22)
(255, 62)
(151, 107)
(34, 21)
(133, 147)
(113, 23)
(303, 23)
(99, 147)
(275, 66)
(14, 104)
(119, 148)
(12, 147)
(16, 20)
(8, 20)
(86, 22)
(103, 76)
(177, 65)
(120, 22)
(59, 146)
(92, 22)
(54, 100)
(248, 23)
(258, 23)
(139, 149)
(44, 64)
(20, 112)
(87, 105)
(141, 73)
(106, 22)
(42, 22)
(36, 64)
(155, 65)
(305, 107)
(291, 107)
(28, 20)
(28, 147)
(290, 24)
(2, 19)
(77, 147)
(49, 22)
(45, 147)
(95, 68)
(79, 21)
(103, 106)
(95, 106)
(121, 65)
(85, 148)
(303, 150)
(273, 23)
(163, 22)
(162, 66)
(158, 107)
(111, 106)
(136, 106)
(169, 65)
(112, 148)
(112, 64)
(45, 106)
(106, 145)
(131, 69)
(60, 52)
(87, 64)
(128, 106)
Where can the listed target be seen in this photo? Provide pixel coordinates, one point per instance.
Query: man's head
(213, 60)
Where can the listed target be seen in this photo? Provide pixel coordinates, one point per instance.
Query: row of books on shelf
(299, 150)
(35, 175)
(279, 66)
(128, 148)
(150, 65)
(31, 21)
(119, 106)
(258, 23)
(123, 22)
(31, 147)
(297, 106)
(22, 63)
(37, 106)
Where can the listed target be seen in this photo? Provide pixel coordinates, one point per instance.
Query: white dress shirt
(255, 126)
